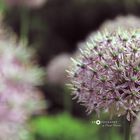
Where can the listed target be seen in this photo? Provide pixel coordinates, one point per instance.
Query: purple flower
(106, 75)
(56, 69)
(19, 96)
(127, 22)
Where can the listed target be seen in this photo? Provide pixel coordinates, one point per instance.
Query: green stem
(67, 100)
(24, 29)
(127, 130)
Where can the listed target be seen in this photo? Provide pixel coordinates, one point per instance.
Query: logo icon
(98, 122)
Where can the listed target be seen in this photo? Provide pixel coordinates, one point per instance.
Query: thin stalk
(24, 23)
(127, 129)
(67, 100)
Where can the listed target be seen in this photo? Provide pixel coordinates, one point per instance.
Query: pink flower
(19, 96)
(56, 69)
(105, 75)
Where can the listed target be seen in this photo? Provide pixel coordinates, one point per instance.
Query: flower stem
(67, 100)
(24, 29)
(127, 129)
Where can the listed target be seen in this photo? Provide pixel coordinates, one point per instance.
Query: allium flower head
(127, 22)
(106, 74)
(18, 78)
(56, 69)
(19, 97)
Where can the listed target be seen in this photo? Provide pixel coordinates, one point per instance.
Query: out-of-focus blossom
(136, 128)
(19, 96)
(13, 131)
(125, 22)
(56, 69)
(106, 74)
(27, 3)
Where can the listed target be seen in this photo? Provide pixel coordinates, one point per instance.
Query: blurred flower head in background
(26, 3)
(106, 76)
(56, 69)
(19, 96)
(127, 22)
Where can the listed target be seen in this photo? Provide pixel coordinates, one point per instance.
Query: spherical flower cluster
(106, 74)
(56, 69)
(127, 22)
(19, 97)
